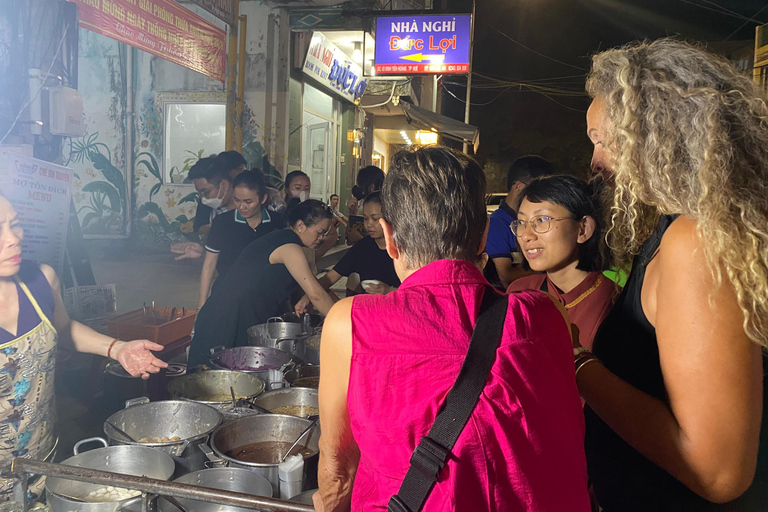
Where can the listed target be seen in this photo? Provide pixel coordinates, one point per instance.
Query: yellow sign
(426, 138)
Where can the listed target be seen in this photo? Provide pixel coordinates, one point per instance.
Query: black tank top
(624, 480)
(249, 294)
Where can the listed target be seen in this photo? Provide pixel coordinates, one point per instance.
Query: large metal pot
(304, 376)
(313, 320)
(190, 421)
(294, 346)
(211, 387)
(275, 329)
(126, 460)
(233, 436)
(264, 362)
(304, 498)
(288, 397)
(225, 479)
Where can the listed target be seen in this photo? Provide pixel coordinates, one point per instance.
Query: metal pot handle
(290, 365)
(184, 445)
(214, 459)
(274, 319)
(129, 502)
(80, 443)
(279, 340)
(218, 348)
(141, 400)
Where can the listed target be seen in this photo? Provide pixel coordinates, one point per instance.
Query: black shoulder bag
(433, 450)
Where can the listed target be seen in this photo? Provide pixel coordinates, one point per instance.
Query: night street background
(531, 58)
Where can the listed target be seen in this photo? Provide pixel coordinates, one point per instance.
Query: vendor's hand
(136, 358)
(301, 307)
(379, 289)
(187, 250)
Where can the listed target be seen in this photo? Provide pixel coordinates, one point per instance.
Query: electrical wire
(534, 51)
(745, 23)
(39, 89)
(532, 86)
(392, 95)
(476, 104)
(720, 11)
(728, 11)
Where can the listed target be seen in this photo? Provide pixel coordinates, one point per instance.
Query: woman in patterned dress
(32, 321)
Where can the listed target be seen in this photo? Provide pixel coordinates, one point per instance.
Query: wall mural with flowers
(159, 208)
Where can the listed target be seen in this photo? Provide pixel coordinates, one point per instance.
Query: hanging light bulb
(357, 55)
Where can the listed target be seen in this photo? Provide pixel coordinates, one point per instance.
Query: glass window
(192, 131)
(318, 102)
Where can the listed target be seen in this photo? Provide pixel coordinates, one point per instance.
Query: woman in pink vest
(389, 361)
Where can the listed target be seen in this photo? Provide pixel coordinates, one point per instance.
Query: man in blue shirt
(501, 245)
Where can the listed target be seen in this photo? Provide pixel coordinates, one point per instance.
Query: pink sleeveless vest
(523, 447)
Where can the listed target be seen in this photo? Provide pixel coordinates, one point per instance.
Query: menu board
(40, 192)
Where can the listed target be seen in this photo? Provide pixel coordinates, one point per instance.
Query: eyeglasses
(540, 224)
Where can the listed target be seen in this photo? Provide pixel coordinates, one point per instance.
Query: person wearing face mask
(231, 232)
(297, 185)
(558, 229)
(297, 188)
(33, 321)
(262, 278)
(214, 186)
(368, 258)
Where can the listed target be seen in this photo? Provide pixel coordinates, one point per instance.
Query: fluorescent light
(357, 54)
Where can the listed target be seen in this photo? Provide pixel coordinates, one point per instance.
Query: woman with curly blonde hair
(675, 389)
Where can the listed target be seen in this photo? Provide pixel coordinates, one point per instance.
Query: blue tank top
(31, 275)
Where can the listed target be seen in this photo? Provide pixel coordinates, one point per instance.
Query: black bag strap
(433, 450)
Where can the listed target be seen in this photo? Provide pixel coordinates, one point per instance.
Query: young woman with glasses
(558, 229)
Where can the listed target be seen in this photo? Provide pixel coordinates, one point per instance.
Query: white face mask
(302, 196)
(213, 202)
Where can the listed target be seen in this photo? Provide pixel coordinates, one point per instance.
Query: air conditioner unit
(65, 106)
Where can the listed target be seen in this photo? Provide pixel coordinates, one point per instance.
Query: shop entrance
(317, 150)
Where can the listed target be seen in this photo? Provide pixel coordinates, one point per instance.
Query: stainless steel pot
(311, 352)
(233, 436)
(301, 374)
(264, 362)
(314, 320)
(211, 387)
(294, 346)
(286, 397)
(225, 479)
(275, 329)
(305, 497)
(126, 460)
(190, 421)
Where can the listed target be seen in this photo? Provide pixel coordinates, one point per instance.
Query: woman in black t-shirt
(368, 258)
(232, 231)
(261, 280)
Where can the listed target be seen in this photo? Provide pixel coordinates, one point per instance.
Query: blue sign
(413, 45)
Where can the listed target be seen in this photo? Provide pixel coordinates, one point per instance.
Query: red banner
(160, 27)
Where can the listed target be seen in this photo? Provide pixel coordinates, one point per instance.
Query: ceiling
(394, 136)
(346, 39)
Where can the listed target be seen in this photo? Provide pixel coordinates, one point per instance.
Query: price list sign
(40, 192)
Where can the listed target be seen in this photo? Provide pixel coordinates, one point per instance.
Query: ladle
(309, 428)
(121, 432)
